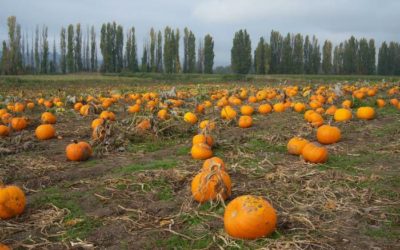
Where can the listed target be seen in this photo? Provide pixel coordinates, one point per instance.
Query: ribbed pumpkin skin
(295, 145)
(12, 201)
(249, 217)
(78, 151)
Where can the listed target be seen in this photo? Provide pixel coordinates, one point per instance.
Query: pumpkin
(314, 153)
(4, 130)
(328, 134)
(365, 113)
(48, 117)
(78, 106)
(97, 122)
(316, 119)
(279, 107)
(380, 103)
(12, 201)
(213, 163)
(6, 118)
(342, 115)
(394, 102)
(107, 115)
(4, 247)
(85, 109)
(19, 107)
(78, 151)
(134, 108)
(228, 113)
(346, 104)
(246, 110)
(206, 124)
(201, 151)
(48, 104)
(252, 99)
(245, 121)
(144, 125)
(201, 138)
(264, 109)
(190, 118)
(211, 185)
(331, 110)
(295, 145)
(18, 123)
(249, 217)
(163, 114)
(299, 107)
(45, 132)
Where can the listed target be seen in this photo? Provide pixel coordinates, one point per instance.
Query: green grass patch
(152, 165)
(178, 242)
(257, 144)
(162, 188)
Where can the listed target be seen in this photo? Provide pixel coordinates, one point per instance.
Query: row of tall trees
(290, 54)
(78, 52)
(294, 54)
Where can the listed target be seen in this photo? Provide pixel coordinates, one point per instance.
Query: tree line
(78, 51)
(290, 54)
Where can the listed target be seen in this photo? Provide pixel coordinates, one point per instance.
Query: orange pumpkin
(45, 132)
(295, 145)
(264, 109)
(299, 107)
(328, 134)
(279, 107)
(201, 138)
(107, 115)
(246, 110)
(144, 125)
(4, 247)
(314, 153)
(213, 163)
(365, 113)
(206, 124)
(12, 201)
(78, 106)
(228, 113)
(48, 117)
(6, 118)
(394, 102)
(18, 123)
(211, 185)
(245, 121)
(97, 122)
(4, 130)
(316, 119)
(342, 115)
(380, 103)
(163, 114)
(190, 118)
(201, 151)
(249, 217)
(78, 151)
(134, 108)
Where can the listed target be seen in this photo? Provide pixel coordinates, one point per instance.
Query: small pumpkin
(246, 110)
(299, 107)
(211, 185)
(316, 119)
(201, 151)
(201, 138)
(163, 114)
(48, 117)
(144, 125)
(245, 121)
(12, 201)
(264, 109)
(380, 103)
(45, 132)
(107, 115)
(328, 134)
(314, 153)
(97, 122)
(207, 124)
(228, 113)
(249, 217)
(295, 145)
(78, 151)
(342, 115)
(365, 113)
(134, 108)
(190, 118)
(4, 130)
(279, 107)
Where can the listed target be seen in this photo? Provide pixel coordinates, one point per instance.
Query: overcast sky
(327, 19)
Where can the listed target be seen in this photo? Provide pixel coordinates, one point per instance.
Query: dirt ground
(137, 194)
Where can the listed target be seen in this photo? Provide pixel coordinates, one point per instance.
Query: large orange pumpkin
(4, 247)
(264, 109)
(190, 118)
(201, 138)
(249, 217)
(328, 134)
(12, 201)
(211, 185)
(48, 117)
(245, 121)
(342, 115)
(4, 130)
(246, 110)
(18, 123)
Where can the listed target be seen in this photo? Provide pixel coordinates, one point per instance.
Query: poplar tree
(287, 55)
(159, 53)
(307, 55)
(152, 50)
(93, 50)
(78, 48)
(119, 50)
(259, 57)
(200, 58)
(371, 57)
(168, 50)
(63, 51)
(37, 56)
(315, 56)
(327, 57)
(208, 54)
(298, 55)
(241, 53)
(45, 51)
(70, 49)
